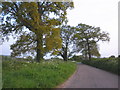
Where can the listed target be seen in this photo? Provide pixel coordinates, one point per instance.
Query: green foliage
(86, 39)
(38, 18)
(107, 64)
(112, 56)
(77, 58)
(6, 57)
(47, 74)
(94, 50)
(9, 58)
(29, 58)
(67, 33)
(25, 44)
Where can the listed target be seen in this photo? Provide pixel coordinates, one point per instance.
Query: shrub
(76, 58)
(105, 64)
(112, 56)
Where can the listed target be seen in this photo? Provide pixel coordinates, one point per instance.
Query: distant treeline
(13, 58)
(28, 58)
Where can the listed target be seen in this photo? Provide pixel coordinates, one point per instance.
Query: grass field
(108, 64)
(47, 74)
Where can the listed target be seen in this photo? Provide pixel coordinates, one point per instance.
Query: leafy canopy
(42, 19)
(86, 39)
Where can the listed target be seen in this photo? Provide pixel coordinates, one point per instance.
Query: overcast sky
(98, 13)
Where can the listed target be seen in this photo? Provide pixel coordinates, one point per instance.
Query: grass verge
(47, 74)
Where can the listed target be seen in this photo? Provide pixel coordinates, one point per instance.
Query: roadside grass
(47, 74)
(108, 64)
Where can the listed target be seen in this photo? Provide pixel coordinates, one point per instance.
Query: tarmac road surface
(90, 77)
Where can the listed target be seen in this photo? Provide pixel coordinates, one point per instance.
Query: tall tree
(40, 18)
(67, 33)
(94, 50)
(87, 37)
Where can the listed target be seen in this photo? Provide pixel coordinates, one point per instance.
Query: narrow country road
(90, 77)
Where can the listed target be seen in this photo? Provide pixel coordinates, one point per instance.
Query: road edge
(65, 82)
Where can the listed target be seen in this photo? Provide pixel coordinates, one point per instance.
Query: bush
(7, 58)
(76, 58)
(112, 56)
(107, 64)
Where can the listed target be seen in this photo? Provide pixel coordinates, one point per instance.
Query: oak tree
(67, 33)
(42, 19)
(87, 37)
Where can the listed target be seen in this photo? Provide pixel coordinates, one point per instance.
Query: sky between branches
(98, 13)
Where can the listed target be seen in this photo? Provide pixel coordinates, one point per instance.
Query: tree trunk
(65, 56)
(65, 52)
(39, 55)
(89, 53)
(39, 51)
(86, 58)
